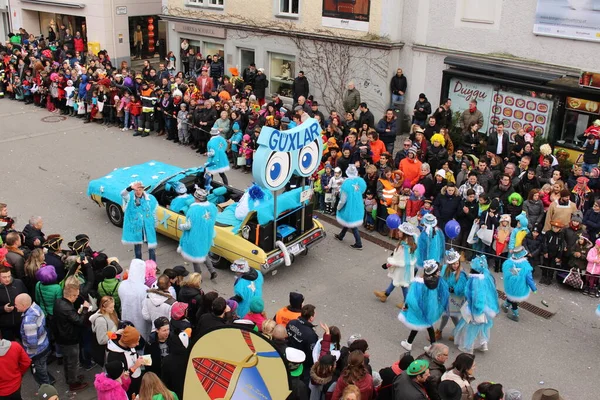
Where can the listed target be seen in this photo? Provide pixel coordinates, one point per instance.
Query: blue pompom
(256, 192)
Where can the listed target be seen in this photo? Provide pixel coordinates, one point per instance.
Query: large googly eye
(278, 169)
(308, 158)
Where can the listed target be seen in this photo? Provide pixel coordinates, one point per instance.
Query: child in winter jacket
(246, 151)
(502, 237)
(335, 184)
(235, 141)
(112, 384)
(135, 109)
(326, 188)
(415, 201)
(593, 270)
(370, 210)
(182, 125)
(514, 207)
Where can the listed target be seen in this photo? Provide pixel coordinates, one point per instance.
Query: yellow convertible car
(264, 241)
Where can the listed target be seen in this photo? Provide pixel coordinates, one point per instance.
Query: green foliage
(455, 131)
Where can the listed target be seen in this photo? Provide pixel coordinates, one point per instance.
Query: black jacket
(31, 234)
(368, 118)
(302, 336)
(172, 375)
(206, 323)
(533, 246)
(7, 295)
(59, 266)
(300, 87)
(69, 322)
(443, 117)
(466, 219)
(422, 115)
(248, 76)
(152, 348)
(492, 144)
(591, 220)
(260, 86)
(553, 244)
(446, 207)
(398, 84)
(193, 297)
(406, 388)
(216, 70)
(436, 370)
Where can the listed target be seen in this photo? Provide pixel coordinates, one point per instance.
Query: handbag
(80, 107)
(241, 161)
(329, 197)
(486, 235)
(573, 279)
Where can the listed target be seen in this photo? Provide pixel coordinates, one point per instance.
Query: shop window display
(282, 72)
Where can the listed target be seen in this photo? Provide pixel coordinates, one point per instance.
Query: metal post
(275, 219)
(303, 207)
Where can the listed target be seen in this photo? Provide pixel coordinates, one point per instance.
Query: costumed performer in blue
(431, 243)
(598, 310)
(426, 301)
(139, 219)
(480, 309)
(351, 209)
(248, 284)
(181, 203)
(252, 198)
(217, 163)
(401, 264)
(518, 281)
(456, 279)
(199, 232)
(518, 234)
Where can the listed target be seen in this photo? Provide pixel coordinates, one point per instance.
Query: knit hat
(577, 217)
(233, 305)
(160, 322)
(417, 367)
(235, 126)
(178, 310)
(419, 188)
(257, 305)
(337, 169)
(296, 300)
(240, 266)
(114, 369)
(430, 267)
(109, 272)
(177, 92)
(130, 337)
(353, 338)
(46, 391)
(181, 271)
(405, 361)
(441, 173)
(412, 149)
(327, 359)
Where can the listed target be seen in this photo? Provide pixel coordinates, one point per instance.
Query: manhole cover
(53, 118)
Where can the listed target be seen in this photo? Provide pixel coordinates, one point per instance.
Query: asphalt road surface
(46, 169)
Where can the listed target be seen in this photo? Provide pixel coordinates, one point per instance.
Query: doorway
(246, 58)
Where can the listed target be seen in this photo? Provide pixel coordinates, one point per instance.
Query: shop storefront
(71, 22)
(281, 73)
(551, 105)
(205, 40)
(149, 27)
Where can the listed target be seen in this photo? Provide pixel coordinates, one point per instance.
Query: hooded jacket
(14, 362)
(319, 386)
(132, 293)
(193, 297)
(82, 93)
(110, 389)
(157, 304)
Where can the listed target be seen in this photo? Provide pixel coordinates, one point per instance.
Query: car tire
(114, 213)
(218, 261)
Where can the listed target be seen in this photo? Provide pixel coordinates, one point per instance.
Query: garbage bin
(398, 108)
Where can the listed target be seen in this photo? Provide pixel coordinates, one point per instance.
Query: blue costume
(518, 234)
(431, 243)
(199, 231)
(518, 281)
(424, 306)
(352, 213)
(139, 220)
(481, 306)
(181, 203)
(456, 285)
(598, 310)
(246, 287)
(217, 155)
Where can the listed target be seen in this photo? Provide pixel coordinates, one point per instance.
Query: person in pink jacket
(112, 384)
(593, 270)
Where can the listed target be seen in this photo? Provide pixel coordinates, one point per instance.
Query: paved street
(46, 170)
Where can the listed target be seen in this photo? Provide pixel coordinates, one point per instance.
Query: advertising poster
(463, 91)
(347, 14)
(571, 19)
(515, 110)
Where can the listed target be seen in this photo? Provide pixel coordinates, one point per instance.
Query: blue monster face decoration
(282, 153)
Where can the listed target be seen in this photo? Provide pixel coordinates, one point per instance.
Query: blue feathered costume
(598, 310)
(352, 213)
(430, 245)
(139, 220)
(181, 203)
(518, 234)
(424, 306)
(199, 231)
(217, 155)
(456, 284)
(481, 306)
(247, 286)
(518, 276)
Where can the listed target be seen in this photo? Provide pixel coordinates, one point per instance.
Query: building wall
(103, 25)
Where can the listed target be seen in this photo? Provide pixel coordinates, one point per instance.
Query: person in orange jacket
(377, 146)
(411, 167)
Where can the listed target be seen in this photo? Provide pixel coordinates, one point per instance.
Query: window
(288, 7)
(281, 74)
(207, 3)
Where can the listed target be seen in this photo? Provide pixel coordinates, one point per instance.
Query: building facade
(105, 24)
(333, 42)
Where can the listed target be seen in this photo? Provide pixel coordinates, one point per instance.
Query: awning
(55, 3)
(525, 75)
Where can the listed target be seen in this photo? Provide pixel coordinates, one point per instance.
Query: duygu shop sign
(461, 92)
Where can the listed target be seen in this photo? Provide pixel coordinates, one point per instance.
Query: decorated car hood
(150, 173)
